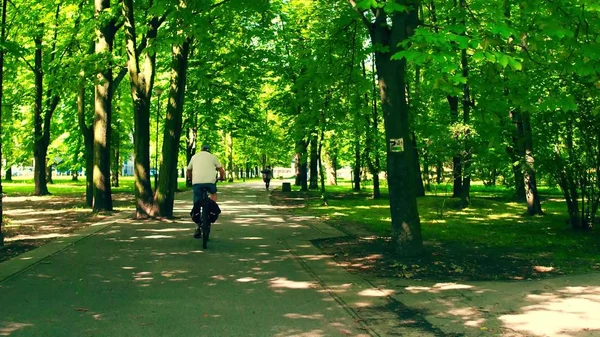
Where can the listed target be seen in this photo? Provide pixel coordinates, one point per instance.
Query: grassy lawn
(492, 239)
(63, 185)
(31, 221)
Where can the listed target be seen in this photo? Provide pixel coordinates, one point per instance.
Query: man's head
(205, 147)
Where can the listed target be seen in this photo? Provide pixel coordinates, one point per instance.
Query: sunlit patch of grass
(492, 238)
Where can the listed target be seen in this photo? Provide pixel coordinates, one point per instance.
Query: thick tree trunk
(314, 157)
(165, 196)
(8, 171)
(439, 172)
(534, 206)
(103, 111)
(142, 83)
(456, 159)
(406, 226)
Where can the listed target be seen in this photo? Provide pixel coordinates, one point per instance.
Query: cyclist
(201, 171)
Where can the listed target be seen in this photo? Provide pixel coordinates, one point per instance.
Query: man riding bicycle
(201, 171)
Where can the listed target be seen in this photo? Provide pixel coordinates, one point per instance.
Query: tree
(387, 41)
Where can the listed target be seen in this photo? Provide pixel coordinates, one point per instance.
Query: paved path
(260, 276)
(153, 279)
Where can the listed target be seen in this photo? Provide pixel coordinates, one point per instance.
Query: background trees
(427, 92)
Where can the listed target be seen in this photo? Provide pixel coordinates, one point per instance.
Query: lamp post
(158, 92)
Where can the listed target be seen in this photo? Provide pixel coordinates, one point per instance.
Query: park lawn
(64, 185)
(491, 239)
(31, 221)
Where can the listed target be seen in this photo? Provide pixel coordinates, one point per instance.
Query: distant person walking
(267, 174)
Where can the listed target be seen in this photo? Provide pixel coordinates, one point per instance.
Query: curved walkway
(260, 276)
(151, 278)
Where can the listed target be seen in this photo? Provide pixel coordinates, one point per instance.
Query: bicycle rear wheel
(205, 227)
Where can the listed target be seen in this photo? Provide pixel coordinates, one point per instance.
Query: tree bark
(456, 159)
(356, 170)
(314, 157)
(103, 110)
(40, 144)
(534, 206)
(141, 79)
(465, 196)
(167, 185)
(406, 226)
(88, 141)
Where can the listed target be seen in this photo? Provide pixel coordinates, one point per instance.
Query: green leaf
(391, 7)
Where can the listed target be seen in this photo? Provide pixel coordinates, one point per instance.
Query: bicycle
(202, 214)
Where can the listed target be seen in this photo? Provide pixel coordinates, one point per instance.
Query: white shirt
(203, 166)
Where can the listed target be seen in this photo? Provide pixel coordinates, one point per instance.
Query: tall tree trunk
(406, 226)
(372, 132)
(331, 168)
(88, 141)
(103, 110)
(314, 157)
(165, 196)
(39, 147)
(303, 166)
(116, 161)
(456, 159)
(534, 206)
(229, 138)
(191, 142)
(141, 79)
(439, 172)
(356, 170)
(516, 151)
(465, 196)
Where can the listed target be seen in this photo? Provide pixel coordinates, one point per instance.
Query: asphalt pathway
(152, 278)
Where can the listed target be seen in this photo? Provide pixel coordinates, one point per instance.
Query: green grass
(63, 185)
(494, 230)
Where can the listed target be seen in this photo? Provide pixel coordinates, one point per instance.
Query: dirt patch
(30, 221)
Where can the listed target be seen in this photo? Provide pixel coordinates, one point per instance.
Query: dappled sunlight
(158, 237)
(376, 292)
(8, 328)
(437, 288)
(281, 282)
(300, 316)
(37, 237)
(299, 333)
(164, 230)
(315, 257)
(246, 280)
(563, 314)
